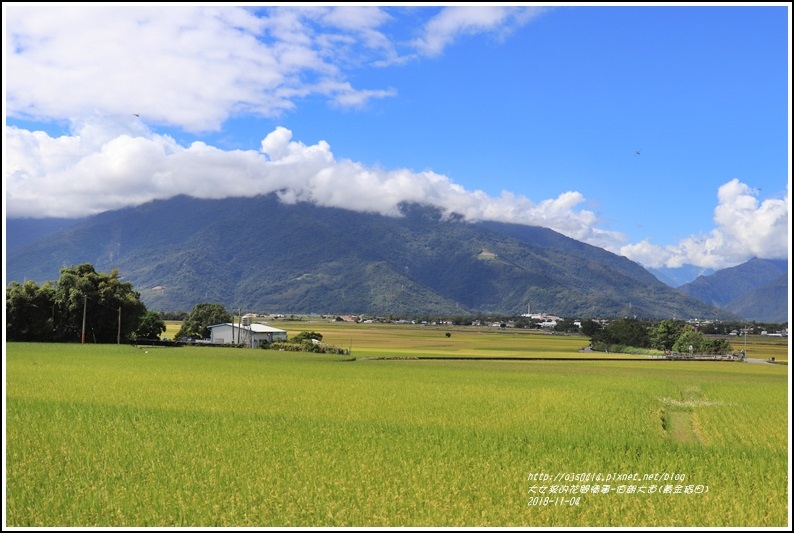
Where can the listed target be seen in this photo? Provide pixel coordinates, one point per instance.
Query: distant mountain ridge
(676, 277)
(262, 255)
(22, 232)
(755, 290)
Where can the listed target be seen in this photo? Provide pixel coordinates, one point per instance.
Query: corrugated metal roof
(256, 328)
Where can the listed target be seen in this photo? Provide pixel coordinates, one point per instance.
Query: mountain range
(757, 289)
(259, 254)
(676, 277)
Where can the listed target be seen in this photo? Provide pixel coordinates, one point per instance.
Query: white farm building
(249, 335)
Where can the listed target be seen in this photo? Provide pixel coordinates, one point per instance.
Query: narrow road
(753, 360)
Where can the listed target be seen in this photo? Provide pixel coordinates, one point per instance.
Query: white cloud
(113, 163)
(194, 67)
(102, 167)
(744, 229)
(363, 22)
(191, 67)
(453, 22)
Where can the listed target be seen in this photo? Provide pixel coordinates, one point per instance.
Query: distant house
(248, 335)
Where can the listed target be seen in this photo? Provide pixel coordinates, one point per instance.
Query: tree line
(110, 308)
(666, 335)
(82, 305)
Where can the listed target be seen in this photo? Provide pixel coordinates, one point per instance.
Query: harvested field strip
(681, 428)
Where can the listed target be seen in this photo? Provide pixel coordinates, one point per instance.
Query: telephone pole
(118, 336)
(85, 305)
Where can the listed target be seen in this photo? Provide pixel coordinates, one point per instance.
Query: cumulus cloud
(191, 67)
(176, 65)
(113, 163)
(194, 67)
(745, 228)
(96, 169)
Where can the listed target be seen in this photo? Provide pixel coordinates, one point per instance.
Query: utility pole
(85, 305)
(118, 336)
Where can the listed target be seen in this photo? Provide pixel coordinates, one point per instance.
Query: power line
(85, 309)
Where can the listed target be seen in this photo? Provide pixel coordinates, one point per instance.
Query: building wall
(221, 334)
(224, 334)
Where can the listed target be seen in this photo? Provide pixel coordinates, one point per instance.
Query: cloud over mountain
(109, 164)
(195, 68)
(99, 168)
(744, 228)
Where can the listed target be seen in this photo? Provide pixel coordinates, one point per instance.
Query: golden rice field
(107, 435)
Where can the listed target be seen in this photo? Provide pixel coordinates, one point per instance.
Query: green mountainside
(261, 255)
(755, 290)
(768, 303)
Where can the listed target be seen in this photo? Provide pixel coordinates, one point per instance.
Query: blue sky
(509, 112)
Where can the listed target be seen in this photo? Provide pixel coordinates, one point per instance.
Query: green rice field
(114, 435)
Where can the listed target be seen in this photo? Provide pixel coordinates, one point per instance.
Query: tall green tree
(690, 337)
(666, 333)
(30, 312)
(55, 312)
(203, 315)
(103, 297)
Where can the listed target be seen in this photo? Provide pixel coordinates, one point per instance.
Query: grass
(385, 340)
(172, 327)
(761, 347)
(113, 436)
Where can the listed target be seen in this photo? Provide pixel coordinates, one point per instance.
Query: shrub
(306, 336)
(306, 346)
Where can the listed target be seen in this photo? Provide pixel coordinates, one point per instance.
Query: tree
(55, 313)
(103, 297)
(30, 312)
(626, 332)
(716, 346)
(666, 333)
(151, 326)
(590, 327)
(690, 337)
(307, 336)
(522, 322)
(203, 315)
(567, 326)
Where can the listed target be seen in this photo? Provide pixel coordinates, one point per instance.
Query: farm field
(386, 340)
(110, 435)
(394, 340)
